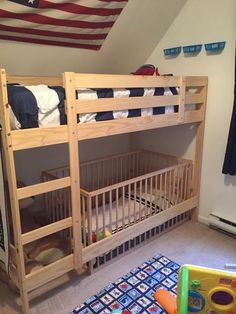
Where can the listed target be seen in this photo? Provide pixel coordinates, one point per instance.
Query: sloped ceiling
(131, 41)
(138, 30)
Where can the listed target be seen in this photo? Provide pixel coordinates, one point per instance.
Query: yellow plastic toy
(201, 290)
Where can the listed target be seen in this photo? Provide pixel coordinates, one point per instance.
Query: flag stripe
(50, 42)
(95, 3)
(59, 14)
(25, 24)
(40, 19)
(51, 33)
(72, 23)
(114, 0)
(59, 39)
(79, 9)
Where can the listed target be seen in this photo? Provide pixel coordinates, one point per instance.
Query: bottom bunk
(126, 200)
(120, 192)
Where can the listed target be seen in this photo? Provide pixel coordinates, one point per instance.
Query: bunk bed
(175, 183)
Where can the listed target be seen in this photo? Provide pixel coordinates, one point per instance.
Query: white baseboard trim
(203, 220)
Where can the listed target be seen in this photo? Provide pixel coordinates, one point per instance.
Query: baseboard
(203, 220)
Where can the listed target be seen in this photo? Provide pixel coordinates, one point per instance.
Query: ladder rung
(47, 273)
(46, 230)
(44, 187)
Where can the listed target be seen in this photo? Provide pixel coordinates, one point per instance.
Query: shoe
(146, 69)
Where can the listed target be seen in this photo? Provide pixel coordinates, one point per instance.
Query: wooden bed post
(69, 84)
(199, 153)
(12, 185)
(182, 92)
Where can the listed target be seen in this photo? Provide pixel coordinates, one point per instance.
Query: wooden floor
(190, 243)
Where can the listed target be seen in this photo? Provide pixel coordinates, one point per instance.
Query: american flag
(74, 23)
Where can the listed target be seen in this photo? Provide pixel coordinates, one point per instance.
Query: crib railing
(113, 208)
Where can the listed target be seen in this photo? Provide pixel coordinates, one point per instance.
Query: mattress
(152, 203)
(42, 106)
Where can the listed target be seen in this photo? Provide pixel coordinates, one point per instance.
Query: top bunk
(98, 105)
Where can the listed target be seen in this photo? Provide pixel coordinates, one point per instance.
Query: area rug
(134, 291)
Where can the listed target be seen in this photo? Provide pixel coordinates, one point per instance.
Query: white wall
(202, 21)
(30, 163)
(131, 40)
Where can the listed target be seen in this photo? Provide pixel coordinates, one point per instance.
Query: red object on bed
(146, 69)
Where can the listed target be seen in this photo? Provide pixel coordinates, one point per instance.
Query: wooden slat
(69, 84)
(182, 89)
(110, 104)
(123, 81)
(64, 279)
(198, 154)
(121, 126)
(117, 239)
(191, 98)
(192, 116)
(44, 231)
(44, 187)
(196, 81)
(35, 80)
(38, 137)
(48, 273)
(57, 135)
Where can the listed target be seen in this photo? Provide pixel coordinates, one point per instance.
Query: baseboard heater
(225, 224)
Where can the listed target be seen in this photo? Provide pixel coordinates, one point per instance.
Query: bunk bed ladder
(11, 174)
(29, 282)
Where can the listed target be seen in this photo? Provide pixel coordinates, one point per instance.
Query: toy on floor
(201, 290)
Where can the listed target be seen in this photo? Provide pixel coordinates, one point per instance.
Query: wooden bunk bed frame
(72, 134)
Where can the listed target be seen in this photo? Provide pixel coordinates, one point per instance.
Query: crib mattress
(41, 105)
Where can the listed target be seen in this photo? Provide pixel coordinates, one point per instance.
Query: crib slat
(110, 210)
(146, 207)
(161, 192)
(178, 185)
(151, 197)
(185, 181)
(155, 194)
(103, 215)
(135, 197)
(165, 189)
(172, 199)
(89, 221)
(129, 194)
(97, 215)
(117, 206)
(123, 207)
(140, 200)
(83, 221)
(182, 183)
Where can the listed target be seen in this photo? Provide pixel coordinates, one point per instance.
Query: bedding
(152, 203)
(41, 105)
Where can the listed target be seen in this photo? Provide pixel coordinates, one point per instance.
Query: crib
(120, 191)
